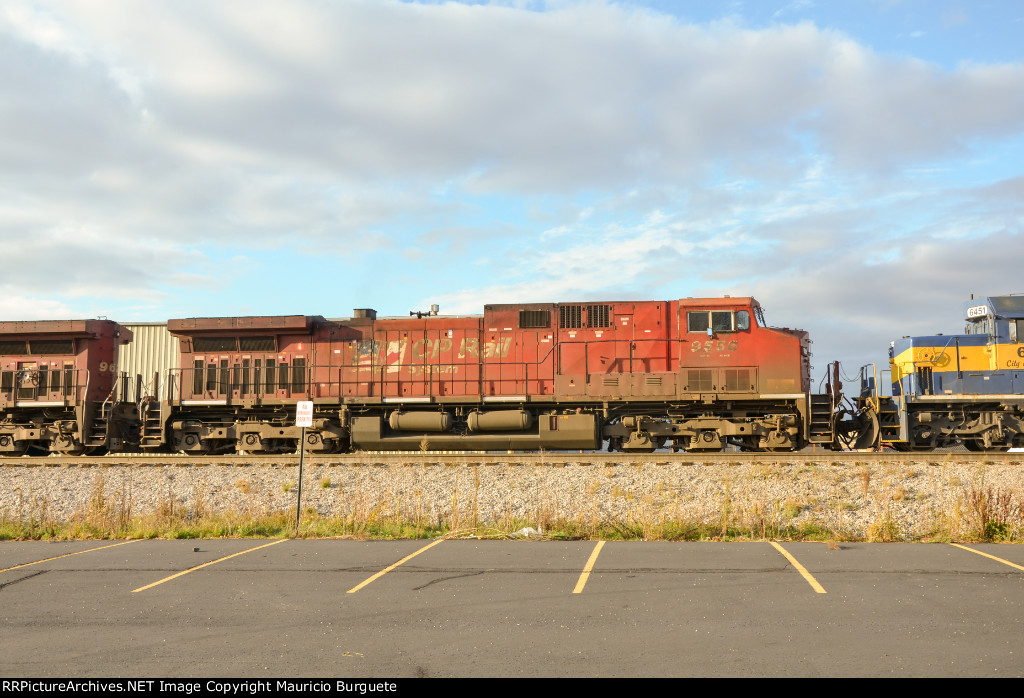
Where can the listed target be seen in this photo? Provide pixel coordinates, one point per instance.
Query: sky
(857, 166)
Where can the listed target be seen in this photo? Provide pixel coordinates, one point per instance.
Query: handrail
(424, 376)
(70, 391)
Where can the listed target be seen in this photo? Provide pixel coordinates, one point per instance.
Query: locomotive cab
(746, 383)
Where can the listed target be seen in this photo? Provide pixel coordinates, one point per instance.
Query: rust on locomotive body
(694, 374)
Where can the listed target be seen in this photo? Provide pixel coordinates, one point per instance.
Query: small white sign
(977, 311)
(304, 413)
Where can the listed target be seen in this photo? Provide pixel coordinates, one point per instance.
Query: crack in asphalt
(22, 579)
(445, 579)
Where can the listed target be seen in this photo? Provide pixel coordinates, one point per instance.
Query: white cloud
(586, 95)
(19, 307)
(567, 151)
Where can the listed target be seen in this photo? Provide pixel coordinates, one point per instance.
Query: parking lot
(347, 608)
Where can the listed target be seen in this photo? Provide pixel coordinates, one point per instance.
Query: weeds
(992, 514)
(865, 478)
(397, 505)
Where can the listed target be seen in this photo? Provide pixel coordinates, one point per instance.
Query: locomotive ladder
(819, 427)
(96, 429)
(152, 425)
(889, 420)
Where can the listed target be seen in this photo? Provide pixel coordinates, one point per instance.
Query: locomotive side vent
(204, 344)
(570, 316)
(599, 316)
(534, 319)
(9, 348)
(257, 344)
(53, 346)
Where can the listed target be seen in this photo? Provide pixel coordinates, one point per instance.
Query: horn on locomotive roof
(434, 309)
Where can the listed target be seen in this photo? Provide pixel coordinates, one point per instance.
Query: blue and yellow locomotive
(954, 389)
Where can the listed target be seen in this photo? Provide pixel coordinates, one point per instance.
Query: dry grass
(838, 505)
(865, 478)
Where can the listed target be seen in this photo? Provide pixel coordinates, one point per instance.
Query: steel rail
(544, 458)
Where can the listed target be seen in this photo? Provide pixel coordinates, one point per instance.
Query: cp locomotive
(696, 374)
(60, 391)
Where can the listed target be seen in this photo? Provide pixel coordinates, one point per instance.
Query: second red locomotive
(60, 388)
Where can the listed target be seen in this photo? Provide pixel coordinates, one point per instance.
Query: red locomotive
(693, 374)
(60, 390)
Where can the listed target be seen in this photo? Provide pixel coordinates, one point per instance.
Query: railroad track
(368, 458)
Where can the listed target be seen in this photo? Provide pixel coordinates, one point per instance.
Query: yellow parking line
(800, 568)
(207, 564)
(57, 557)
(391, 567)
(998, 559)
(589, 566)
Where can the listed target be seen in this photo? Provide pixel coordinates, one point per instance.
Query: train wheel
(978, 446)
(76, 450)
(67, 445)
(777, 442)
(189, 444)
(11, 447)
(249, 444)
(639, 442)
(315, 443)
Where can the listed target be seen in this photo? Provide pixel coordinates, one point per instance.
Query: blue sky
(856, 166)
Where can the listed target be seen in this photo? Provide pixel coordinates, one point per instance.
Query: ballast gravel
(903, 499)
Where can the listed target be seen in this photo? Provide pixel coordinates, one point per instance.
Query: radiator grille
(53, 346)
(257, 344)
(204, 344)
(700, 380)
(737, 379)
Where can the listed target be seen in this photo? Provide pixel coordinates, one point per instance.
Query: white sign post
(304, 414)
(303, 419)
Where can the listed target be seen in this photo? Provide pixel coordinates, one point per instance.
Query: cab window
(717, 320)
(979, 327)
(721, 320)
(697, 322)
